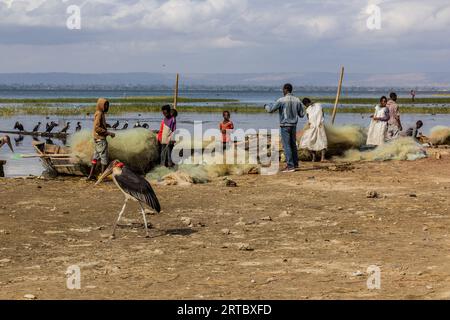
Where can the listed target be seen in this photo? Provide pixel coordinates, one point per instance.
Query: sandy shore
(307, 235)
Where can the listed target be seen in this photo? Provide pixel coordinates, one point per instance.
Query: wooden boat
(58, 160)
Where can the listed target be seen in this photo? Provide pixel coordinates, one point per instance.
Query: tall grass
(235, 108)
(373, 101)
(152, 99)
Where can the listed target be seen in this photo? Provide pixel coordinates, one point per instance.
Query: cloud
(226, 42)
(262, 33)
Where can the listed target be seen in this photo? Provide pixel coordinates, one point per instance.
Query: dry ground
(323, 234)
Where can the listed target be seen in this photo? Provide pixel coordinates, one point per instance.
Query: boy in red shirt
(225, 127)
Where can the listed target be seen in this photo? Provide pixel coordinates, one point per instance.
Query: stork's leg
(118, 219)
(147, 235)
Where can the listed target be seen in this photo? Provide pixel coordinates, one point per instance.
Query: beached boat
(58, 160)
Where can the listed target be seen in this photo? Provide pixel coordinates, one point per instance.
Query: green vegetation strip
(235, 108)
(115, 100)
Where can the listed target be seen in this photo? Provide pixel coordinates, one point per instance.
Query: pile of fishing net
(340, 139)
(440, 135)
(209, 168)
(137, 148)
(401, 149)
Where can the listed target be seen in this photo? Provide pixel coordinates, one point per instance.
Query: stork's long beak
(10, 146)
(8, 142)
(105, 174)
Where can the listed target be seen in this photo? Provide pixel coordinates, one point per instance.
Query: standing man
(413, 95)
(100, 133)
(394, 123)
(290, 109)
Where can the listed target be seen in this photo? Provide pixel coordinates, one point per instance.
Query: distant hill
(403, 80)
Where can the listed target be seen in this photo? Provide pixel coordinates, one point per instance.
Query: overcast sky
(197, 36)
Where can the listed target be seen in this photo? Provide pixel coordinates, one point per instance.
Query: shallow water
(23, 167)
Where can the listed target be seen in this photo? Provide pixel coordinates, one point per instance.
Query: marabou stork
(125, 126)
(115, 125)
(66, 127)
(18, 126)
(36, 128)
(78, 128)
(134, 187)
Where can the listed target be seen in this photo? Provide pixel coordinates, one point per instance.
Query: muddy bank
(307, 235)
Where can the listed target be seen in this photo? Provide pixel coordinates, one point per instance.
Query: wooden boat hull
(59, 165)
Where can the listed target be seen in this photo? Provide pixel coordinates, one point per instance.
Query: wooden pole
(60, 156)
(338, 95)
(175, 101)
(2, 172)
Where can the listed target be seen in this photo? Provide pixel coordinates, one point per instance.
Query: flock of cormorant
(52, 125)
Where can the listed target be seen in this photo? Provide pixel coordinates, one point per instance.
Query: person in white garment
(379, 124)
(314, 138)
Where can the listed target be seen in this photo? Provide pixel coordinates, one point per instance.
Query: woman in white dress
(314, 138)
(378, 127)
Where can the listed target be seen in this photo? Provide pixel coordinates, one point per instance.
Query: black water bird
(18, 126)
(116, 125)
(50, 127)
(36, 128)
(66, 127)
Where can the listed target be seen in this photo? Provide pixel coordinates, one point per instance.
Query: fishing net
(400, 149)
(440, 135)
(137, 148)
(340, 139)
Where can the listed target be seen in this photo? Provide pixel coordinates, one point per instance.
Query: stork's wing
(138, 187)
